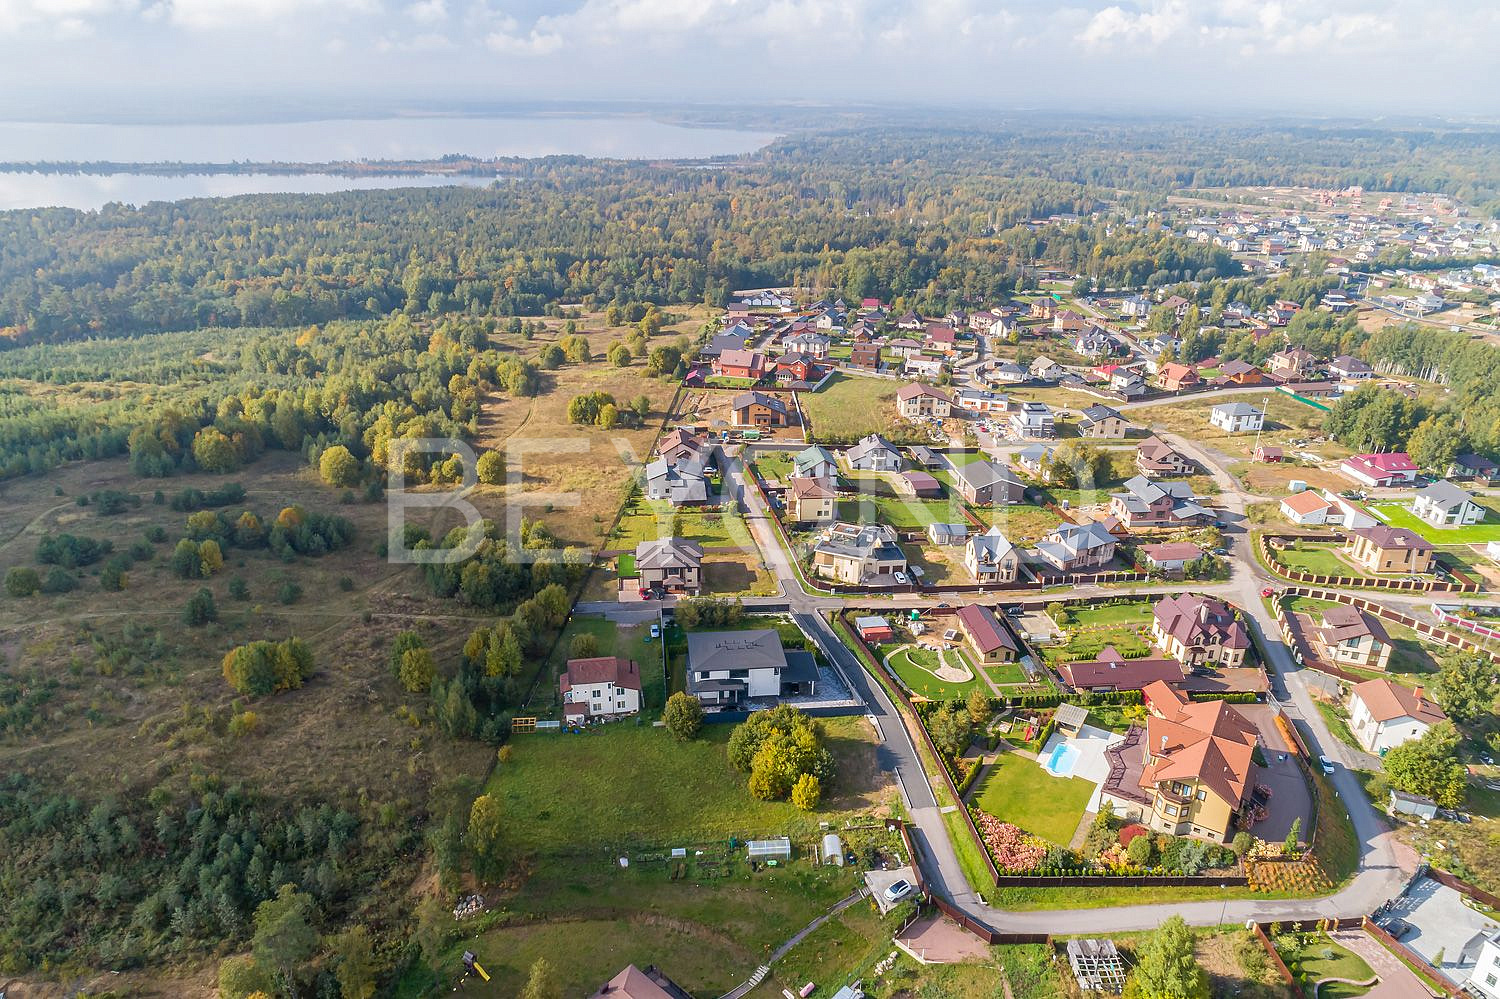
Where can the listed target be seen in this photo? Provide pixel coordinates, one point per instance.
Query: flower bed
(1013, 849)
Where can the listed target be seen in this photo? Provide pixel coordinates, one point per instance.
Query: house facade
(914, 401)
(1385, 714)
(1346, 636)
(1102, 422)
(1147, 504)
(1443, 504)
(756, 409)
(680, 483)
(1155, 458)
(988, 638)
(1077, 547)
(1033, 421)
(859, 554)
(1389, 549)
(600, 688)
(1236, 418)
(1392, 468)
(1199, 631)
(674, 565)
(810, 501)
(727, 668)
(874, 454)
(991, 558)
(985, 483)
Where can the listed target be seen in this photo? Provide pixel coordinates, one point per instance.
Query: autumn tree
(807, 792)
(483, 836)
(1465, 686)
(683, 716)
(490, 468)
(417, 670)
(1167, 968)
(354, 963)
(338, 467)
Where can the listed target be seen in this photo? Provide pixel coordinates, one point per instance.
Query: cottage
(1389, 549)
(816, 463)
(813, 345)
(984, 483)
(1175, 377)
(991, 558)
(634, 983)
(673, 565)
(1035, 461)
(1241, 373)
(754, 409)
(1077, 547)
(749, 364)
(1150, 504)
(1112, 671)
(1008, 374)
(1171, 557)
(1475, 467)
(979, 401)
(795, 366)
(860, 554)
(727, 668)
(600, 688)
(987, 636)
(1307, 509)
(1349, 637)
(924, 367)
(1101, 422)
(1236, 418)
(874, 454)
(1385, 714)
(865, 355)
(682, 445)
(1045, 369)
(810, 500)
(947, 534)
(904, 348)
(678, 483)
(925, 457)
(1393, 468)
(1155, 458)
(1443, 504)
(1293, 364)
(915, 401)
(1033, 421)
(1199, 630)
(1350, 369)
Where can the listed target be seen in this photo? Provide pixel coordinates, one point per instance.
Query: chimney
(1163, 744)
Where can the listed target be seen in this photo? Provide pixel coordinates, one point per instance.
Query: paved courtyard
(879, 881)
(1443, 926)
(936, 939)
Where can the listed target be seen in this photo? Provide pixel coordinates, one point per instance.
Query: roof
(633, 983)
(1390, 461)
(868, 445)
(1444, 495)
(1383, 536)
(1206, 741)
(985, 629)
(1475, 462)
(870, 621)
(1155, 450)
(667, 552)
(980, 474)
(915, 390)
(921, 481)
(746, 399)
(1236, 409)
(1196, 620)
(1304, 503)
(1387, 701)
(602, 669)
(1172, 371)
(1346, 362)
(1113, 670)
(716, 650)
(991, 546)
(1175, 551)
(1342, 623)
(806, 487)
(1098, 414)
(742, 358)
(1070, 715)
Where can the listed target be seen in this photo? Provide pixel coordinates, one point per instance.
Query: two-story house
(859, 554)
(725, 669)
(599, 688)
(1147, 504)
(1443, 504)
(991, 558)
(915, 401)
(1384, 714)
(1347, 636)
(1077, 547)
(810, 501)
(1155, 458)
(1389, 549)
(1236, 418)
(985, 483)
(1198, 630)
(874, 454)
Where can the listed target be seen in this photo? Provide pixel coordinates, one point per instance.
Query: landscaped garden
(1320, 560)
(1312, 957)
(1017, 790)
(918, 669)
(1123, 625)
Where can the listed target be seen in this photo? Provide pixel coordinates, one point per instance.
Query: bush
(264, 667)
(22, 581)
(807, 792)
(200, 608)
(289, 592)
(683, 716)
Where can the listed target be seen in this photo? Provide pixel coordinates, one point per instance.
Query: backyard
(1091, 627)
(901, 512)
(1021, 522)
(849, 407)
(649, 520)
(1320, 560)
(1017, 790)
(1313, 957)
(916, 667)
(610, 639)
(1487, 530)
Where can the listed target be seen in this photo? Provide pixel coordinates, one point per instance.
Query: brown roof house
(922, 400)
(1112, 671)
(1350, 637)
(1385, 714)
(1198, 759)
(1389, 549)
(810, 500)
(600, 688)
(633, 983)
(1199, 631)
(756, 409)
(1155, 458)
(671, 564)
(987, 636)
(1174, 376)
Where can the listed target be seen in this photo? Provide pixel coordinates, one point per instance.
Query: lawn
(632, 642)
(1135, 612)
(834, 953)
(1318, 957)
(775, 464)
(1397, 515)
(1337, 720)
(1286, 420)
(725, 575)
(588, 789)
(1021, 522)
(901, 512)
(1005, 673)
(1017, 790)
(1084, 645)
(647, 521)
(1321, 560)
(913, 666)
(848, 407)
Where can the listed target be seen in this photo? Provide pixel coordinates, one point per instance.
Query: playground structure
(473, 967)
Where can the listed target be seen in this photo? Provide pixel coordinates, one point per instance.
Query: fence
(814, 711)
(947, 908)
(1123, 880)
(1442, 877)
(1462, 582)
(1422, 628)
(1467, 624)
(1414, 961)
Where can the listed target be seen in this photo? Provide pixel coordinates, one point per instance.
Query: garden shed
(1070, 718)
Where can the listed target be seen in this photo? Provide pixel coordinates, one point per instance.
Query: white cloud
(428, 11)
(1153, 26)
(216, 14)
(508, 38)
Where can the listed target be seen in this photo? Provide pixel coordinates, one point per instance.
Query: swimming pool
(1060, 763)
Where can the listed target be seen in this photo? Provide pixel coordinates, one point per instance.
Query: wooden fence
(1416, 962)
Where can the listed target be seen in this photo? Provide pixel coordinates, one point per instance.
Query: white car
(656, 631)
(900, 578)
(899, 890)
(1326, 764)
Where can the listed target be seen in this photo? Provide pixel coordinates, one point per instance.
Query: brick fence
(1463, 583)
(1422, 628)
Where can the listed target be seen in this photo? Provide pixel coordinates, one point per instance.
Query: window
(1489, 980)
(1171, 810)
(1202, 795)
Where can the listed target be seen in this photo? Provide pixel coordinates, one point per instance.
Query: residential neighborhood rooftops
(745, 399)
(719, 650)
(601, 669)
(1387, 700)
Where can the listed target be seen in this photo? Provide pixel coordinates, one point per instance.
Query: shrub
(22, 581)
(263, 667)
(683, 716)
(807, 792)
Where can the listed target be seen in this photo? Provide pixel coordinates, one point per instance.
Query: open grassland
(848, 407)
(1286, 420)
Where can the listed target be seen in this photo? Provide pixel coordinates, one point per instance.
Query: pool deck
(1090, 744)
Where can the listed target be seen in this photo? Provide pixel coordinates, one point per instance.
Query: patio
(1090, 764)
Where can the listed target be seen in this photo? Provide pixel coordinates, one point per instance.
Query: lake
(394, 138)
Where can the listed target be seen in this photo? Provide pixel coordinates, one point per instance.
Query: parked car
(656, 631)
(900, 578)
(1396, 927)
(899, 890)
(1326, 764)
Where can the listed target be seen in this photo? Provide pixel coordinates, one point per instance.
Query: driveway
(1443, 926)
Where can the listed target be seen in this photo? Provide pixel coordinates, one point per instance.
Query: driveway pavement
(1442, 925)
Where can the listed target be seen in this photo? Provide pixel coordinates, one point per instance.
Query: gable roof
(1342, 623)
(1098, 414)
(869, 445)
(1445, 495)
(1384, 536)
(1110, 669)
(1305, 502)
(917, 390)
(666, 553)
(1387, 701)
(985, 629)
(982, 473)
(747, 399)
(990, 547)
(806, 487)
(1196, 620)
(1172, 551)
(1206, 741)
(717, 650)
(601, 669)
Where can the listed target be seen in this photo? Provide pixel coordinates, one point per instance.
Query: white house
(1443, 504)
(725, 668)
(1384, 714)
(1485, 978)
(600, 687)
(1307, 508)
(1033, 421)
(874, 454)
(1237, 418)
(991, 558)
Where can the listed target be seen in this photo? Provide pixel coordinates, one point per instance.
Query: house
(755, 409)
(1136, 307)
(1033, 421)
(749, 364)
(766, 298)
(1307, 509)
(1268, 454)
(1112, 671)
(942, 338)
(633, 983)
(1177, 304)
(1337, 511)
(815, 463)
(727, 668)
(874, 454)
(1172, 556)
(678, 483)
(979, 401)
(1093, 342)
(1033, 460)
(1443, 504)
(1473, 466)
(1292, 365)
(1155, 458)
(1236, 418)
(861, 554)
(600, 688)
(990, 640)
(1150, 504)
(1068, 321)
(1385, 714)
(1350, 369)
(1347, 636)
(874, 629)
(904, 348)
(810, 500)
(674, 565)
(813, 345)
(1128, 383)
(865, 355)
(1242, 373)
(1042, 308)
(1102, 422)
(1393, 468)
(1174, 377)
(1389, 549)
(914, 401)
(984, 483)
(1199, 631)
(919, 484)
(991, 558)
(1077, 547)
(1192, 766)
(1045, 369)
(682, 445)
(911, 321)
(796, 366)
(924, 367)
(947, 535)
(720, 342)
(925, 457)
(1008, 374)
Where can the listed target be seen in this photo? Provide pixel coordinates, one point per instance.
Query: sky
(1434, 57)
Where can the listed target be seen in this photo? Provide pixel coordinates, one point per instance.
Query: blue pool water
(1060, 763)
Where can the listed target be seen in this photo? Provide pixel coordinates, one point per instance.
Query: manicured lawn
(1322, 560)
(1397, 515)
(848, 407)
(1094, 615)
(912, 665)
(775, 465)
(1019, 791)
(901, 512)
(1006, 673)
(1319, 957)
(1083, 645)
(649, 521)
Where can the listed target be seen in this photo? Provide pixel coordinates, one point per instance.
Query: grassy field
(1322, 560)
(1286, 420)
(913, 666)
(1397, 515)
(1005, 673)
(775, 464)
(629, 641)
(901, 512)
(648, 520)
(1019, 791)
(848, 407)
(1021, 523)
(736, 576)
